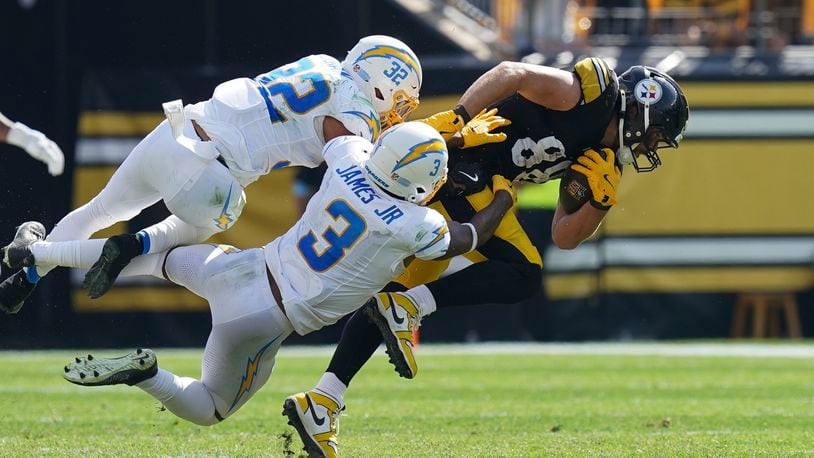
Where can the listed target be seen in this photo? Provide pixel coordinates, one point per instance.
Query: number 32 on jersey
(337, 243)
(286, 80)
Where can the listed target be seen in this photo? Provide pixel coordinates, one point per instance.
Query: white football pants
(202, 195)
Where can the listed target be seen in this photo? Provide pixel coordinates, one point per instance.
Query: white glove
(36, 144)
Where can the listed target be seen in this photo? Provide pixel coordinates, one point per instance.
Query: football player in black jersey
(557, 121)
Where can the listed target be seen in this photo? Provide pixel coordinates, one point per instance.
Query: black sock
(359, 341)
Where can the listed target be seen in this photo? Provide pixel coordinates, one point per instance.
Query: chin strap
(624, 154)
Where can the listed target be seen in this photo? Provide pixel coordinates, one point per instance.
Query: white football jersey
(275, 120)
(350, 242)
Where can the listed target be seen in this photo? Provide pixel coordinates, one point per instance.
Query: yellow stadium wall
(720, 187)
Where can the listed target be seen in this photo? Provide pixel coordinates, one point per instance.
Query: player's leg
(135, 185)
(507, 269)
(209, 203)
(247, 330)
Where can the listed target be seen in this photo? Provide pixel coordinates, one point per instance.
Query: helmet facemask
(403, 105)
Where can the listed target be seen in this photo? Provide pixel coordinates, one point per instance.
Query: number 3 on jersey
(337, 243)
(284, 82)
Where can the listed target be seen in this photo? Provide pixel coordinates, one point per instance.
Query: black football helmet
(653, 114)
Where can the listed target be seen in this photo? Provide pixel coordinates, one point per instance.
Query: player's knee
(205, 421)
(215, 207)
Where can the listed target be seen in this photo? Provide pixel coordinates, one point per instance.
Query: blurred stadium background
(725, 220)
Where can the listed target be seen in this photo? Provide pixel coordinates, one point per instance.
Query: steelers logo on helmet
(648, 91)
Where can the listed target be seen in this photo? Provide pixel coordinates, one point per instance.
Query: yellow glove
(603, 176)
(448, 123)
(478, 131)
(499, 183)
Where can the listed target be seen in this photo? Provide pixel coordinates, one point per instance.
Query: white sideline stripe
(678, 251)
(111, 150)
(751, 123)
(747, 350)
(740, 349)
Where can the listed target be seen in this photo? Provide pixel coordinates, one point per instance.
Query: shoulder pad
(596, 79)
(355, 111)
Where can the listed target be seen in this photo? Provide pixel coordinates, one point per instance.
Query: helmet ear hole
(420, 189)
(379, 94)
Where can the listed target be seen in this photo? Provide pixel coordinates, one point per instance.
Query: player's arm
(569, 230)
(468, 236)
(550, 87)
(332, 128)
(553, 88)
(5, 125)
(603, 176)
(34, 142)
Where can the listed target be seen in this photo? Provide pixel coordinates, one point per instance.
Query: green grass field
(510, 403)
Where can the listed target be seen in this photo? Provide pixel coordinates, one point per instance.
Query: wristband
(461, 111)
(474, 236)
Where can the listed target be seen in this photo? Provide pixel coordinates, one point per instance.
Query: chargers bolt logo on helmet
(397, 73)
(409, 161)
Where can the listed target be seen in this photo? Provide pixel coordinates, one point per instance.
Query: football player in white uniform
(199, 160)
(34, 142)
(357, 232)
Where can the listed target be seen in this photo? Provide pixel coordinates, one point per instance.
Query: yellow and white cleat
(315, 416)
(396, 315)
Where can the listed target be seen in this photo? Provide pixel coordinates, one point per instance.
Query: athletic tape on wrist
(461, 111)
(474, 236)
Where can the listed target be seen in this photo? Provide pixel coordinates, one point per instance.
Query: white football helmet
(409, 161)
(389, 73)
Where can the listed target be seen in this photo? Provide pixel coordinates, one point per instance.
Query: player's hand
(603, 176)
(448, 123)
(478, 131)
(500, 183)
(40, 147)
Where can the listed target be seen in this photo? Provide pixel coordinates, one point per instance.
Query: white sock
(74, 253)
(162, 386)
(333, 387)
(422, 296)
(80, 224)
(170, 233)
(186, 397)
(83, 253)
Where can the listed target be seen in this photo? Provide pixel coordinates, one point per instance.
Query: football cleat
(315, 416)
(17, 254)
(129, 369)
(396, 315)
(117, 252)
(14, 290)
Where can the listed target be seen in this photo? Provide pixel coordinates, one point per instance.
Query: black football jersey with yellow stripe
(541, 143)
